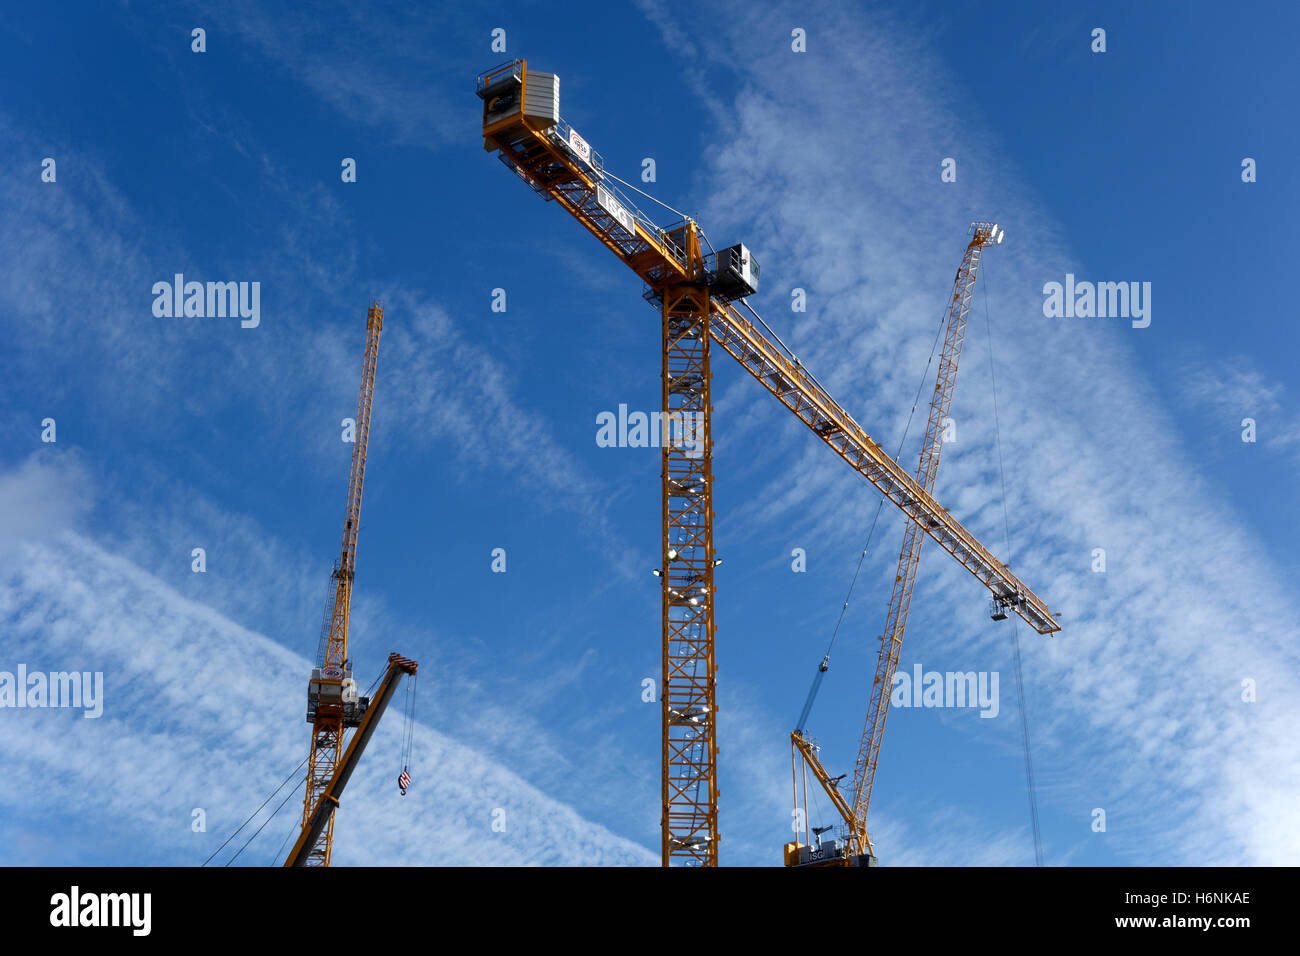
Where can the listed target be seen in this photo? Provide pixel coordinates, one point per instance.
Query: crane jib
(647, 251)
(796, 390)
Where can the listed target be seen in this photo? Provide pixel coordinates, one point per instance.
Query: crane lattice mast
(689, 733)
(909, 556)
(332, 702)
(858, 845)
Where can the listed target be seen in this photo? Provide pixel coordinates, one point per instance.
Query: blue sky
(182, 433)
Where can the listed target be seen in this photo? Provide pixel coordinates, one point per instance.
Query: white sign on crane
(579, 146)
(607, 202)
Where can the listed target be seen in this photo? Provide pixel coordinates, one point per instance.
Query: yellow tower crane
(333, 704)
(852, 846)
(700, 297)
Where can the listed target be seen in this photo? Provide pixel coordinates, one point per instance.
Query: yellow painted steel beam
(329, 726)
(909, 556)
(554, 173)
(315, 825)
(799, 392)
(688, 700)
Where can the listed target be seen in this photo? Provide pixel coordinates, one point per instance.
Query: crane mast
(688, 787)
(909, 556)
(858, 842)
(697, 296)
(332, 702)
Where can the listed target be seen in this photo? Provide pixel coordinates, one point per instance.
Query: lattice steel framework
(328, 727)
(689, 830)
(800, 392)
(909, 557)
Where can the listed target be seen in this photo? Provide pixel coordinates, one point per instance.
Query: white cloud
(201, 712)
(1136, 705)
(45, 495)
(1232, 390)
(455, 391)
(356, 71)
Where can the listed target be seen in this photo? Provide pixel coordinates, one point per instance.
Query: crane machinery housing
(849, 844)
(701, 299)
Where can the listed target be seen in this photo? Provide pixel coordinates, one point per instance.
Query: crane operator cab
(332, 692)
(735, 274)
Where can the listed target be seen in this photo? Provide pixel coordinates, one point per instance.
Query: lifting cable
(408, 731)
(825, 664)
(1015, 631)
(292, 774)
(821, 817)
(264, 823)
(682, 215)
(279, 854)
